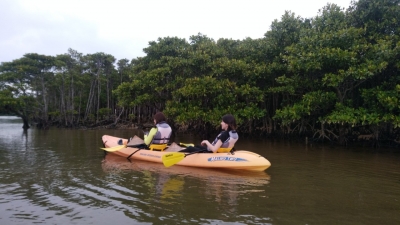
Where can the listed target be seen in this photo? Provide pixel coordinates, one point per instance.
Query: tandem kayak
(239, 159)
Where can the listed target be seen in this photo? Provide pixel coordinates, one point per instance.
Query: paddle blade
(114, 149)
(171, 159)
(186, 144)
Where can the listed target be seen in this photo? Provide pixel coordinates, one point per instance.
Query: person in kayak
(225, 140)
(158, 136)
(161, 133)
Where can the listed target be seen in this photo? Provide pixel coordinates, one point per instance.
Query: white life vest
(163, 134)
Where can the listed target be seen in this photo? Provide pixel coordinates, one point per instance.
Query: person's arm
(211, 147)
(149, 137)
(221, 139)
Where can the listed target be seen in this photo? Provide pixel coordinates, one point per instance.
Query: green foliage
(131, 116)
(384, 101)
(103, 112)
(346, 115)
(379, 17)
(312, 104)
(207, 99)
(7, 102)
(343, 60)
(91, 117)
(339, 68)
(55, 114)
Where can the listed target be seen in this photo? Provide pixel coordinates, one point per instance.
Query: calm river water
(60, 176)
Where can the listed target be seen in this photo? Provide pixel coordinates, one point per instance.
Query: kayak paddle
(115, 148)
(119, 147)
(173, 158)
(186, 144)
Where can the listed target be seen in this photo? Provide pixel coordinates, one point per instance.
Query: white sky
(123, 28)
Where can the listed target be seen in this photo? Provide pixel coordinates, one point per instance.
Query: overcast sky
(123, 28)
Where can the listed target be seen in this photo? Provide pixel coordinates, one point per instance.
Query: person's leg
(194, 149)
(141, 146)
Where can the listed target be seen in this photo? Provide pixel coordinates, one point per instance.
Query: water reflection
(115, 164)
(169, 185)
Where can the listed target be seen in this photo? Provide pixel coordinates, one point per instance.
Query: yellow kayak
(239, 159)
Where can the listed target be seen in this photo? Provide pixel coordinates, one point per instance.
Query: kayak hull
(239, 160)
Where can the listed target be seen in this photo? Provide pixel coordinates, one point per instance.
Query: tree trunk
(342, 135)
(26, 123)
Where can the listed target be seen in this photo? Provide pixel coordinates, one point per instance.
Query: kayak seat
(223, 150)
(159, 147)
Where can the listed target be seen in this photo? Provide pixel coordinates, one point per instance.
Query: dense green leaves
(207, 99)
(312, 104)
(351, 63)
(337, 71)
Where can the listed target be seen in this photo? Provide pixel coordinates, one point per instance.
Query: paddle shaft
(171, 159)
(191, 153)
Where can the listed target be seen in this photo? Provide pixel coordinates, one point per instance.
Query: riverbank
(367, 140)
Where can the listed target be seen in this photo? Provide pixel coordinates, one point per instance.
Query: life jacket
(163, 134)
(233, 137)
